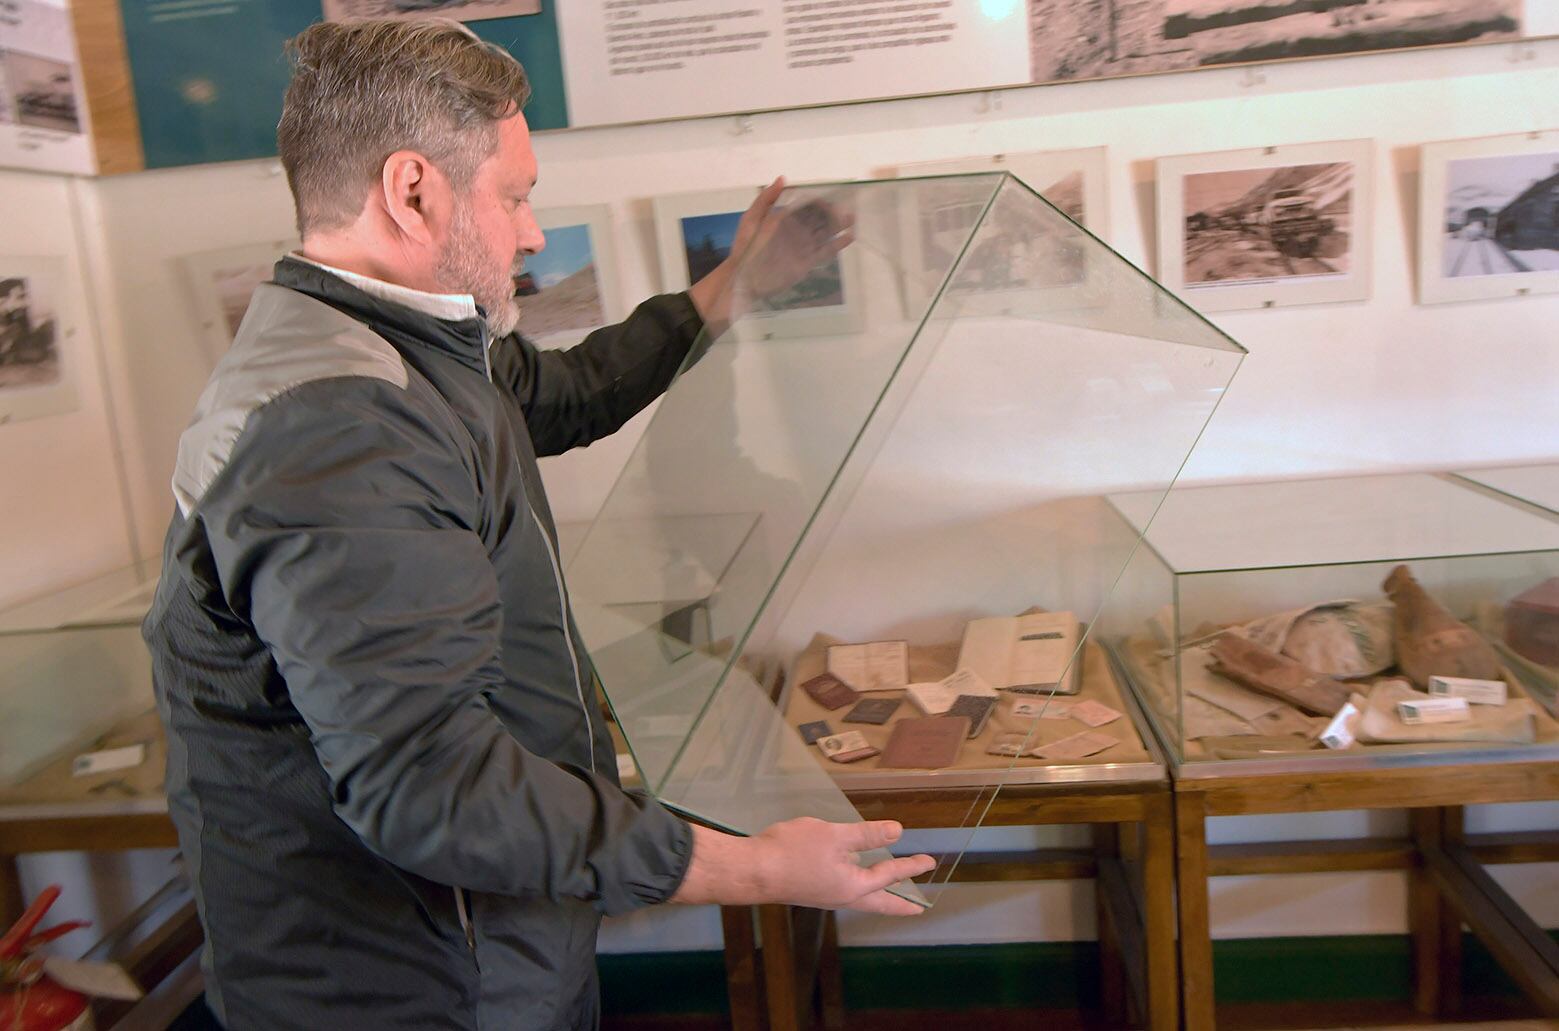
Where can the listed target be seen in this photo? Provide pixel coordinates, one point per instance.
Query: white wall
(1381, 384)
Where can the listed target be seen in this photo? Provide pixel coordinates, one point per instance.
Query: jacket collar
(452, 323)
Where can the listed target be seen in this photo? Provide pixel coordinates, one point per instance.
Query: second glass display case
(1354, 622)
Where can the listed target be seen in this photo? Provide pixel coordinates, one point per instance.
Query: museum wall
(1339, 388)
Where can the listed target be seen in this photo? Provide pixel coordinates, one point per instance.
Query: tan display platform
(1130, 759)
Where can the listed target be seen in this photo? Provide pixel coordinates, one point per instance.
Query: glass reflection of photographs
(1262, 224)
(1502, 215)
(707, 241)
(29, 356)
(559, 289)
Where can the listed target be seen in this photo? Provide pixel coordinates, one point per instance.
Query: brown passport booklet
(925, 742)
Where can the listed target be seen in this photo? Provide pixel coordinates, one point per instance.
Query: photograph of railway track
(1245, 225)
(1502, 215)
(1085, 39)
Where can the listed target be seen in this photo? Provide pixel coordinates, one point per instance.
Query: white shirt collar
(451, 307)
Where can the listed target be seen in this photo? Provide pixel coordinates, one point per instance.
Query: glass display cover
(78, 679)
(1536, 484)
(1365, 621)
(862, 544)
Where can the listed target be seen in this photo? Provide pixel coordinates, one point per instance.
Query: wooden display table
(1123, 795)
(1448, 883)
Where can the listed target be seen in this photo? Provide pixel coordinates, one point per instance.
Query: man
(398, 803)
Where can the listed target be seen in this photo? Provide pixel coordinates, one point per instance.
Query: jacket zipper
(557, 577)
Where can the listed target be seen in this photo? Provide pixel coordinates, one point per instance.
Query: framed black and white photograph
(37, 373)
(1267, 227)
(42, 92)
(460, 10)
(1025, 255)
(695, 232)
(571, 287)
(220, 284)
(1070, 40)
(1489, 218)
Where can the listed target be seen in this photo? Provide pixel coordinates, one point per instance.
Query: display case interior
(77, 679)
(1360, 621)
(863, 539)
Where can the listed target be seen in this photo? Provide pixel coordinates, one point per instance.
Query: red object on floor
(41, 1006)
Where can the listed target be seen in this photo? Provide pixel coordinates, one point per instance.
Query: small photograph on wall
(570, 288)
(221, 283)
(1489, 224)
(696, 232)
(1251, 229)
(35, 372)
(43, 92)
(1070, 40)
(460, 10)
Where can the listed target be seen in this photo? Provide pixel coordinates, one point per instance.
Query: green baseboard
(1053, 975)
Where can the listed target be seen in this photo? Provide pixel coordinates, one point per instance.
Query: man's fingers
(887, 905)
(863, 837)
(892, 871)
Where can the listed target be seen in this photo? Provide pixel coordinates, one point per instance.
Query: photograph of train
(42, 92)
(1264, 224)
(1502, 215)
(1084, 40)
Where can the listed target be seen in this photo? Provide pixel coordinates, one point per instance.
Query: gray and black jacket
(399, 805)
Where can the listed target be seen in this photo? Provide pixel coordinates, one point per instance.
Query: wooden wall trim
(105, 71)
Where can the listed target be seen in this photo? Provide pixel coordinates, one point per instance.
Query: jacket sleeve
(575, 397)
(354, 550)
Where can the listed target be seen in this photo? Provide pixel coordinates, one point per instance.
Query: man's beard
(465, 267)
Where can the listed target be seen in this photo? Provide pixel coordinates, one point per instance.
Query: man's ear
(417, 196)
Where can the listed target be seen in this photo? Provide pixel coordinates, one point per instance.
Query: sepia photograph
(460, 10)
(42, 92)
(1267, 223)
(706, 240)
(221, 284)
(234, 286)
(29, 350)
(1488, 219)
(1070, 40)
(559, 289)
(1500, 215)
(36, 372)
(1267, 226)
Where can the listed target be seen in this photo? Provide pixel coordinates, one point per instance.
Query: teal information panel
(209, 74)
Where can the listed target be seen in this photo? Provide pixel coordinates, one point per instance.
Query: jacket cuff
(659, 861)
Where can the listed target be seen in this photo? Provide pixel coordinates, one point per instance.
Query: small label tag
(108, 760)
(1434, 710)
(1339, 732)
(625, 766)
(1095, 714)
(101, 980)
(1477, 692)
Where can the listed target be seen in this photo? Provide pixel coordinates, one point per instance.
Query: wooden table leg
(1158, 914)
(741, 968)
(786, 1009)
(1196, 945)
(1434, 929)
(1112, 968)
(830, 976)
(11, 903)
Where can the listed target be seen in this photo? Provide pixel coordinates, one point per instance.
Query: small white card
(100, 980)
(108, 760)
(1434, 710)
(1477, 692)
(933, 698)
(1339, 732)
(967, 681)
(1095, 714)
(625, 766)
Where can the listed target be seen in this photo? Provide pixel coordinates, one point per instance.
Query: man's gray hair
(362, 90)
